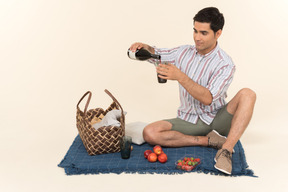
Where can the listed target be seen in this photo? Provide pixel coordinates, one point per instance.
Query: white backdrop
(52, 52)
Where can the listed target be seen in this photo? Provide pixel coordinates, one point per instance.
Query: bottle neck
(156, 56)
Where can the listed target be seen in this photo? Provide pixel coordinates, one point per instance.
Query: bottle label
(132, 55)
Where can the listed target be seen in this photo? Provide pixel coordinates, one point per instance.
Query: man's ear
(218, 33)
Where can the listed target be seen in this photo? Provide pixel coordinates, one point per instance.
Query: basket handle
(114, 99)
(122, 111)
(89, 98)
(88, 101)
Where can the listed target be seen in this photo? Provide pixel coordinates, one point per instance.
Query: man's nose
(197, 36)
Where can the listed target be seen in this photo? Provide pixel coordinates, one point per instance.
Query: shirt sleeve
(220, 81)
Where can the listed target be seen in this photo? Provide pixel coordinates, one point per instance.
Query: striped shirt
(214, 71)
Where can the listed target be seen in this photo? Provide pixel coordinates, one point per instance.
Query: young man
(204, 72)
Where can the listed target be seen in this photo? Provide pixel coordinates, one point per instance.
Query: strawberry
(183, 167)
(188, 168)
(187, 163)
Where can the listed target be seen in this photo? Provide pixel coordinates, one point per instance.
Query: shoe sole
(222, 170)
(222, 137)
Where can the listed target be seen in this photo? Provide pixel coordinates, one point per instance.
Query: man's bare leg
(160, 133)
(241, 106)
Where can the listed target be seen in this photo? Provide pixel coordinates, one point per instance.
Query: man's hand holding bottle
(165, 70)
(139, 45)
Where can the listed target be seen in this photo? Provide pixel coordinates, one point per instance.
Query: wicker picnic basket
(104, 139)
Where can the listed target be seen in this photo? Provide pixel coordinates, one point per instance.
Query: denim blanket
(77, 161)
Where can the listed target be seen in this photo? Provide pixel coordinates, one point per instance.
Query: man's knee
(245, 96)
(248, 94)
(151, 132)
(148, 134)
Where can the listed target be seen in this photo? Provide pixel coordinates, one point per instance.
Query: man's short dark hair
(210, 15)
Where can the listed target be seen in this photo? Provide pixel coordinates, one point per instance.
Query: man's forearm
(197, 91)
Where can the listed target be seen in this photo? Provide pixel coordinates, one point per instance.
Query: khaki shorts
(221, 123)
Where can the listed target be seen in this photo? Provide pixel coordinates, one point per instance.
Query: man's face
(204, 37)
